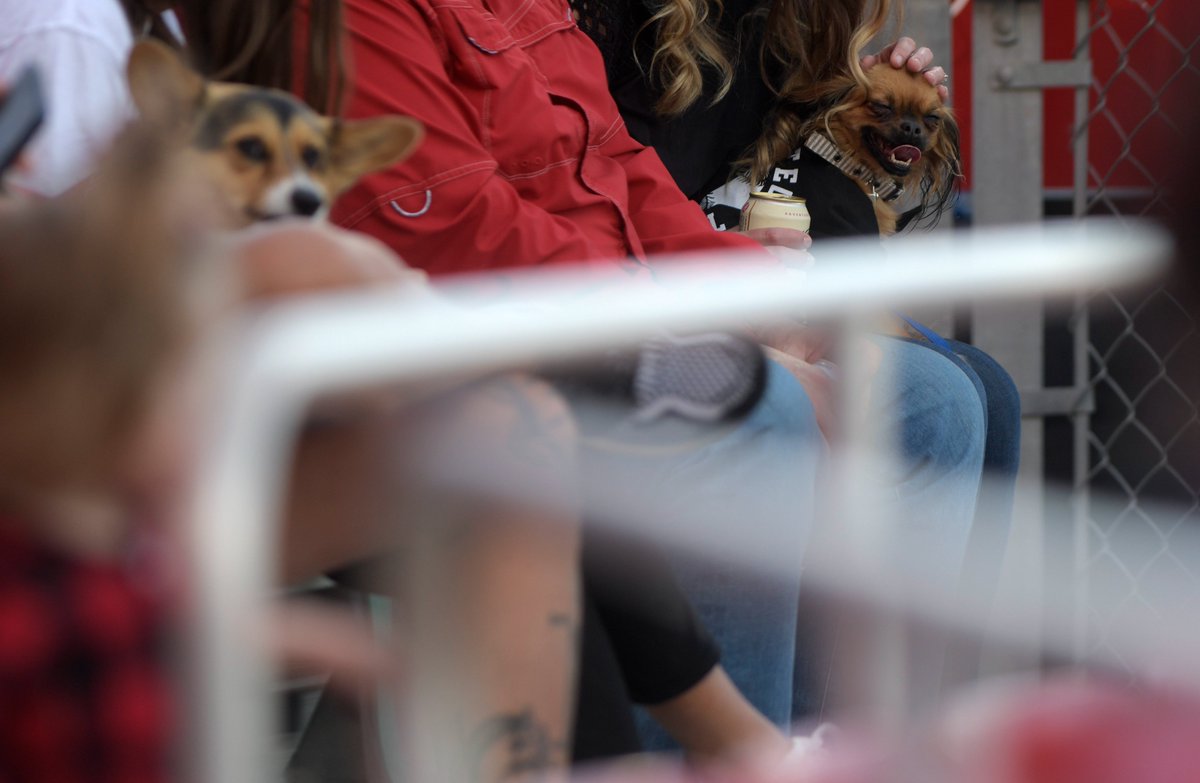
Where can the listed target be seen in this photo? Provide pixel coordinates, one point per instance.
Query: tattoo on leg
(568, 623)
(541, 432)
(526, 744)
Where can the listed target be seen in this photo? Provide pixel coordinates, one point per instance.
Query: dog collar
(888, 190)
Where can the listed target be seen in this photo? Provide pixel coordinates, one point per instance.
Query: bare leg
(477, 500)
(714, 723)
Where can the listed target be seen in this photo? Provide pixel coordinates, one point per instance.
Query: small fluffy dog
(268, 154)
(863, 146)
(852, 153)
(892, 136)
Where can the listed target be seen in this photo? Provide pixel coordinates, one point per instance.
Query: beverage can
(772, 210)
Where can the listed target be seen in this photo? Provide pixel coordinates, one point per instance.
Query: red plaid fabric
(83, 691)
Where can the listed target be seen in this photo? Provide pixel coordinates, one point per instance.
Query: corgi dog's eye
(253, 148)
(311, 156)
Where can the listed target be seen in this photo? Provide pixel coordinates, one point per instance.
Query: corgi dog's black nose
(306, 202)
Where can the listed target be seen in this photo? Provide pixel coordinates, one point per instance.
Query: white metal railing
(282, 359)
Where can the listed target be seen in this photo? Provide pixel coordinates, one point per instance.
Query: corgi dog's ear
(359, 147)
(165, 90)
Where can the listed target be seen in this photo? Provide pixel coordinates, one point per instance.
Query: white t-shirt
(81, 47)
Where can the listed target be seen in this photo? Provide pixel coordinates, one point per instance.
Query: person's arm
(462, 215)
(83, 74)
(665, 219)
(667, 658)
(669, 222)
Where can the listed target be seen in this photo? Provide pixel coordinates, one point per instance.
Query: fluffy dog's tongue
(907, 153)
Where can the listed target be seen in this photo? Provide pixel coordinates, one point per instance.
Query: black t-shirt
(836, 203)
(700, 145)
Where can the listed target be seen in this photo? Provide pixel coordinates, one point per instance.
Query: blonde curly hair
(811, 43)
(687, 40)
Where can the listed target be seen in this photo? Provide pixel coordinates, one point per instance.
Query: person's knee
(1003, 450)
(1004, 400)
(535, 414)
(942, 418)
(789, 402)
(511, 436)
(960, 425)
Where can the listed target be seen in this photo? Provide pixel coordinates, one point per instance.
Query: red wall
(960, 85)
(1058, 31)
(1139, 55)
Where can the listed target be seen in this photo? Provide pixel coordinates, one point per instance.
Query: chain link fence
(1139, 445)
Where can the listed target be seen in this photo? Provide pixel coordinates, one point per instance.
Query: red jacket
(526, 159)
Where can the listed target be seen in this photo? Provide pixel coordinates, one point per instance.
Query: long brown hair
(818, 53)
(810, 44)
(253, 42)
(686, 42)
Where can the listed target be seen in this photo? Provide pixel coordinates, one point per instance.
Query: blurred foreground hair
(92, 307)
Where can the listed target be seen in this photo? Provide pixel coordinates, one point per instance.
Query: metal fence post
(1081, 362)
(928, 23)
(1008, 189)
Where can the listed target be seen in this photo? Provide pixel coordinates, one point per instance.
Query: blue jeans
(940, 427)
(941, 431)
(730, 492)
(943, 417)
(1001, 459)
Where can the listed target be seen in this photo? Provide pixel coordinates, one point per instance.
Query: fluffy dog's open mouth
(896, 159)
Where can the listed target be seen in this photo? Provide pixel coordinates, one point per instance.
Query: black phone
(22, 110)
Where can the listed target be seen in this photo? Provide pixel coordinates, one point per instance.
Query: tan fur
(330, 153)
(166, 92)
(910, 97)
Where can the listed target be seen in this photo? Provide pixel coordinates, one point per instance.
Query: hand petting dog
(905, 55)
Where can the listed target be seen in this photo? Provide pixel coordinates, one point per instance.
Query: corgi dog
(267, 154)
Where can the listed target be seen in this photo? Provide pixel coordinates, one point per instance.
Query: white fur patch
(277, 202)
